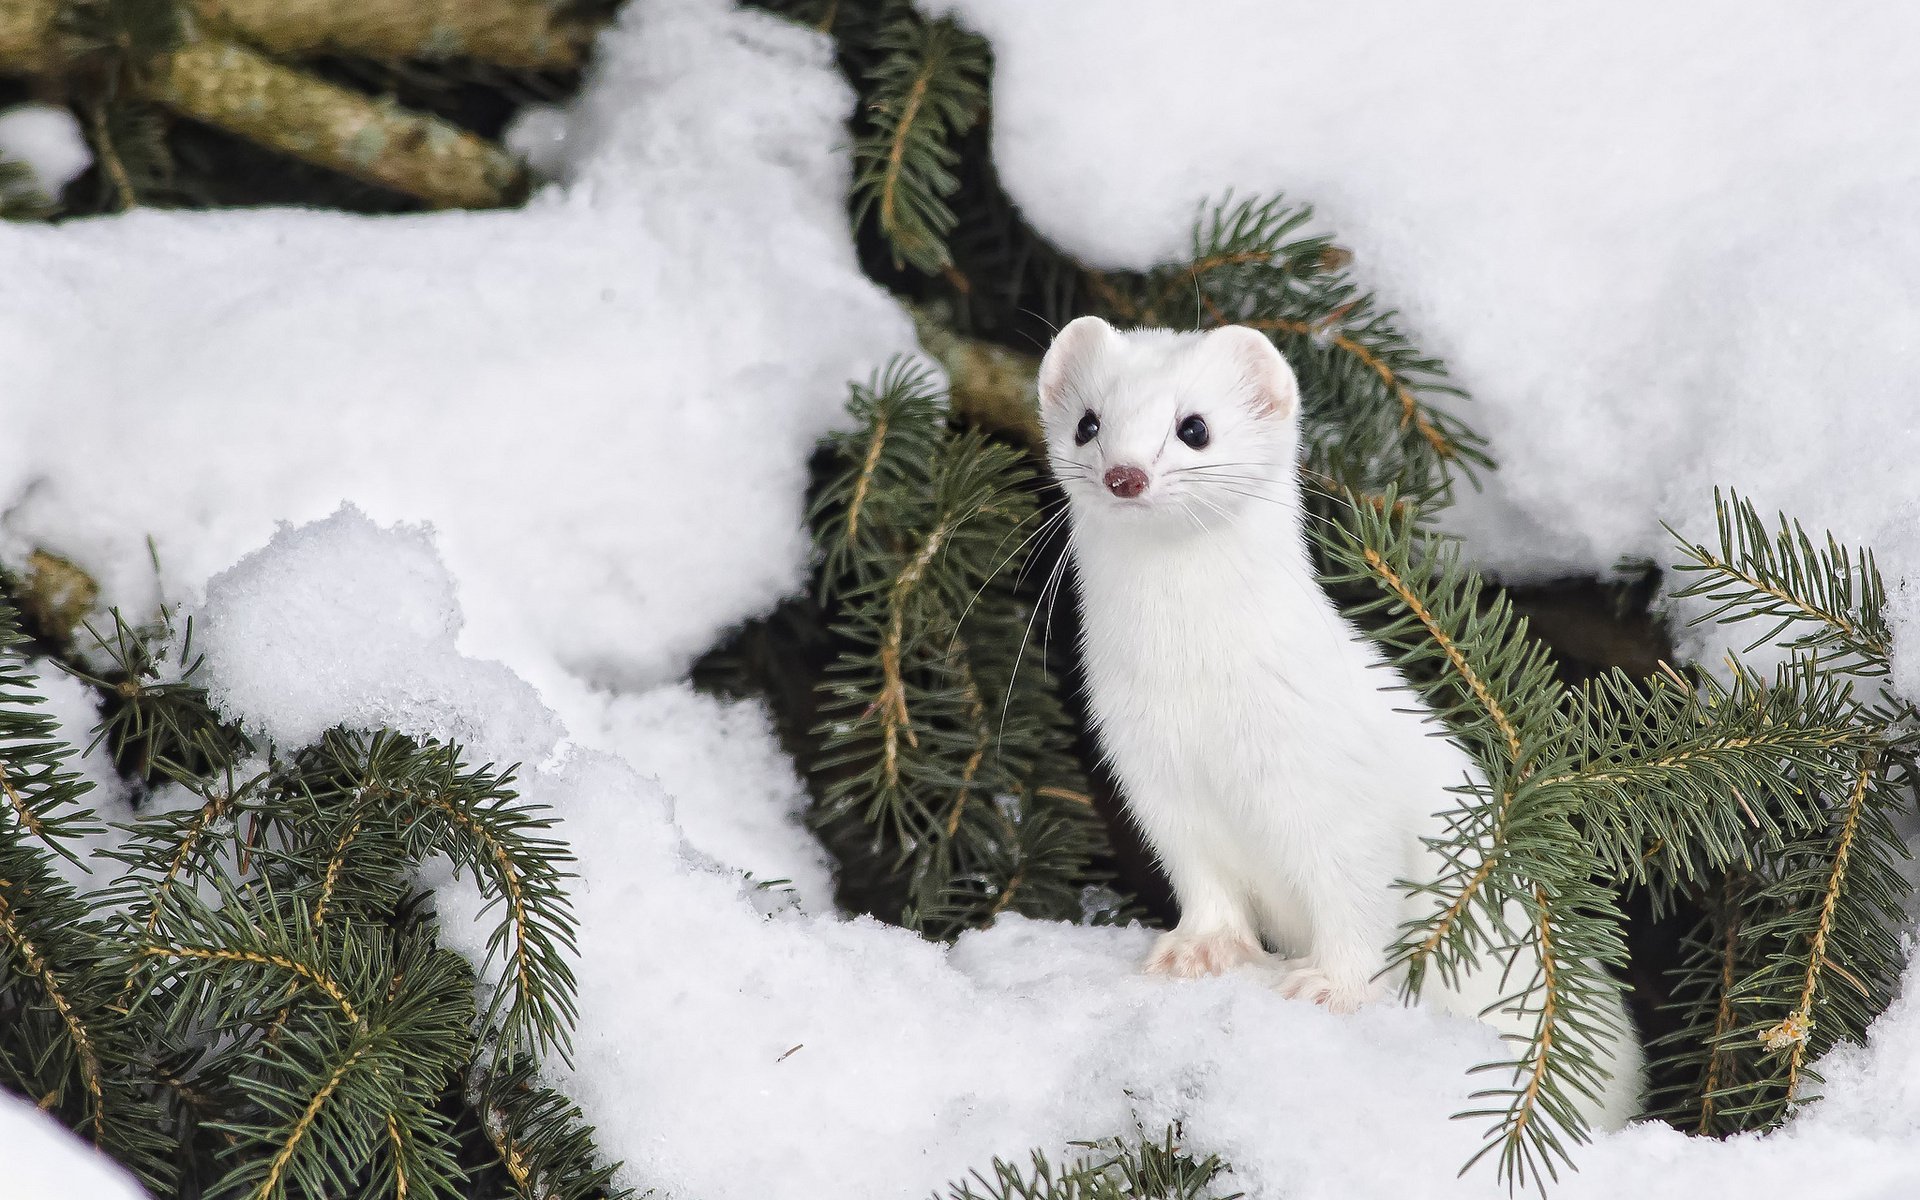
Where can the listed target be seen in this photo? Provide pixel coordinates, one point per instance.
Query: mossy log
(26, 36)
(989, 386)
(246, 93)
(530, 34)
(224, 81)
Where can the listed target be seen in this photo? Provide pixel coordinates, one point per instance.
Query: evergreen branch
(290, 1144)
(304, 971)
(922, 713)
(1793, 1030)
(1717, 1063)
(1831, 596)
(43, 798)
(1411, 410)
(1512, 844)
(877, 441)
(1703, 774)
(539, 923)
(1527, 1104)
(926, 92)
(336, 862)
(399, 1143)
(1116, 1169)
(213, 808)
(1496, 712)
(51, 986)
(1375, 416)
(540, 1139)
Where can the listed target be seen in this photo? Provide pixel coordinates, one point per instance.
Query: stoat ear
(1073, 350)
(1269, 380)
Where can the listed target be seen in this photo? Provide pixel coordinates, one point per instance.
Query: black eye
(1089, 429)
(1193, 431)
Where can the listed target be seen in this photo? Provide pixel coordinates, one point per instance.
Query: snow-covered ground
(602, 406)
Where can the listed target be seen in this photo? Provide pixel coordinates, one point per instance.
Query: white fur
(1275, 762)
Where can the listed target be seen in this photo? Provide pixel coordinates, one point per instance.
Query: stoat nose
(1126, 482)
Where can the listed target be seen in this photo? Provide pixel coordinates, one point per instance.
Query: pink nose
(1126, 482)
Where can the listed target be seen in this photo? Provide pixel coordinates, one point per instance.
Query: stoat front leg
(1216, 930)
(1351, 922)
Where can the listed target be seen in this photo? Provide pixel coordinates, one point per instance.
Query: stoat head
(1178, 429)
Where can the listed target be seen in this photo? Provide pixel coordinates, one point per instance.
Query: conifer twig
(56, 993)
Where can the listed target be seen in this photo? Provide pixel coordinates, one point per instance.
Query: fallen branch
(246, 93)
(991, 386)
(26, 36)
(531, 34)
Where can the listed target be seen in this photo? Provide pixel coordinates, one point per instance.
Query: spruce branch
(263, 1010)
(1801, 948)
(1829, 596)
(1684, 779)
(1139, 1168)
(925, 92)
(424, 801)
(65, 1041)
(936, 751)
(1377, 412)
(1514, 876)
(201, 64)
(541, 1139)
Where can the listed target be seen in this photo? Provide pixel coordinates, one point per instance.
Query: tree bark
(26, 35)
(246, 93)
(991, 386)
(508, 33)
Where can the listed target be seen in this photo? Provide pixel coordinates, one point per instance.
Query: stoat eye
(1193, 431)
(1088, 430)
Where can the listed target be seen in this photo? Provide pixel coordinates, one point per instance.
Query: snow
(1663, 246)
(43, 1159)
(576, 395)
(867, 1062)
(571, 443)
(360, 638)
(734, 791)
(46, 138)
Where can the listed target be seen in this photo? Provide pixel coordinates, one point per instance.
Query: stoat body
(1277, 765)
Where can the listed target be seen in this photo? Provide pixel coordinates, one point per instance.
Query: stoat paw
(1301, 979)
(1187, 955)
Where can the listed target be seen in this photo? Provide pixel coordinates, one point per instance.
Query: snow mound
(604, 402)
(44, 1159)
(46, 139)
(343, 623)
(735, 793)
(1663, 246)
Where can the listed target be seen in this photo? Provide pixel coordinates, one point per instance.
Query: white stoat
(1278, 767)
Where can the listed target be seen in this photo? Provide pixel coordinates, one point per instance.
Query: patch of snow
(44, 1159)
(1663, 246)
(603, 402)
(735, 794)
(342, 623)
(46, 139)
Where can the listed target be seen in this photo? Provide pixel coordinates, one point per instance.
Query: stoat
(1279, 768)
